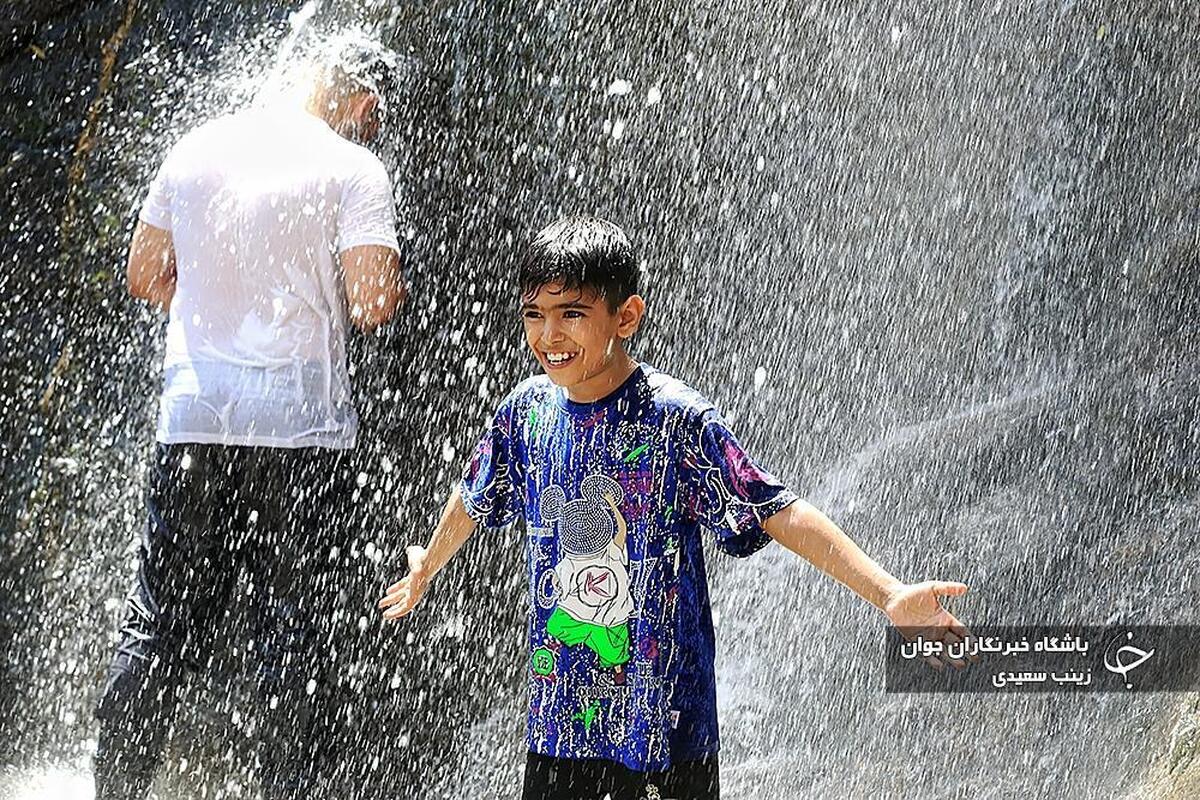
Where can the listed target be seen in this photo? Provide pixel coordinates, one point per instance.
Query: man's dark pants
(213, 512)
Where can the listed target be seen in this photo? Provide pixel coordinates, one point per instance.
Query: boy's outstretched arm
(803, 529)
(452, 530)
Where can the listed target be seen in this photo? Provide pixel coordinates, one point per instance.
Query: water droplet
(620, 87)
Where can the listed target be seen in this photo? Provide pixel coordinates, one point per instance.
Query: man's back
(259, 204)
(264, 234)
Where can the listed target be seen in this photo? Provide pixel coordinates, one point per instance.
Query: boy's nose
(552, 333)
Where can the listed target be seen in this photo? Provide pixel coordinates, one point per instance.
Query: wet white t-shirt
(259, 204)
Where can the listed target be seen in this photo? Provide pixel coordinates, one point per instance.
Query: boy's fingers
(949, 588)
(396, 607)
(959, 628)
(392, 598)
(396, 586)
(963, 632)
(402, 596)
(400, 610)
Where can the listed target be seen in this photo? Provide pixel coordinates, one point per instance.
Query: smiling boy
(615, 468)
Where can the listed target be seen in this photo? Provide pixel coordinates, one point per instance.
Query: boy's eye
(572, 314)
(532, 315)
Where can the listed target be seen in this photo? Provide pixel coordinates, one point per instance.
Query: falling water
(937, 264)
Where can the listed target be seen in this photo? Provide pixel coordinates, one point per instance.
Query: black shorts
(548, 778)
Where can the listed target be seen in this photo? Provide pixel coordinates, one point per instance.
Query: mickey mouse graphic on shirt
(594, 603)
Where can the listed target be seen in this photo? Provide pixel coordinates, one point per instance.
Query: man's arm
(454, 528)
(375, 285)
(151, 266)
(807, 532)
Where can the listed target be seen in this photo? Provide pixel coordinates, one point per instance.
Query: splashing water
(939, 265)
(51, 784)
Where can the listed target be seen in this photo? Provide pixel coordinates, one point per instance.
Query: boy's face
(575, 337)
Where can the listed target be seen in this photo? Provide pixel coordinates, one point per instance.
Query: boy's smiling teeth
(559, 358)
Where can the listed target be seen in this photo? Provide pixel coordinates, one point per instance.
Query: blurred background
(939, 264)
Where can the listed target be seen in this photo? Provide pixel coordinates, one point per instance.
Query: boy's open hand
(403, 596)
(915, 610)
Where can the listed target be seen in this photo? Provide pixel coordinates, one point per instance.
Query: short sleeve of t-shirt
(367, 213)
(156, 207)
(489, 485)
(725, 490)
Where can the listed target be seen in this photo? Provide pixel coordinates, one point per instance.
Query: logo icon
(543, 661)
(596, 585)
(1121, 667)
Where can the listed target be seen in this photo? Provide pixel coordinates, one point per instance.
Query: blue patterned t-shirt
(614, 494)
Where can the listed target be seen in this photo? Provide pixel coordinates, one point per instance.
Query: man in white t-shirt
(265, 234)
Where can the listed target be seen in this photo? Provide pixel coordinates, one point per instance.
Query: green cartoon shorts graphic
(610, 644)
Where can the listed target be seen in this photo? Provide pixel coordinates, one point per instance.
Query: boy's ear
(629, 315)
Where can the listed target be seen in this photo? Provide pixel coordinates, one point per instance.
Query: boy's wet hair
(585, 254)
